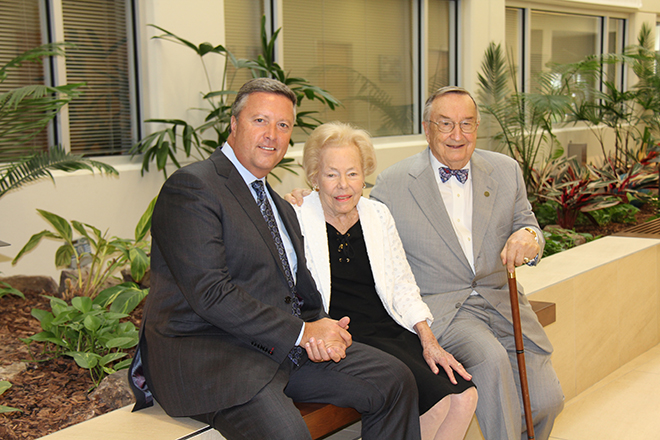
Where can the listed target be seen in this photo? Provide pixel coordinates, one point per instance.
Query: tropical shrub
(91, 331)
(574, 189)
(559, 239)
(105, 255)
(524, 120)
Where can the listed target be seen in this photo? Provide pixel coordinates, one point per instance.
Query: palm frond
(16, 174)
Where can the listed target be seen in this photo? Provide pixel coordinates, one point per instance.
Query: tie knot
(258, 187)
(446, 173)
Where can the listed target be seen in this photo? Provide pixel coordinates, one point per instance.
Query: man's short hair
(445, 91)
(263, 85)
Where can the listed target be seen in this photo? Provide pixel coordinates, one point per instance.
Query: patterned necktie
(294, 299)
(446, 173)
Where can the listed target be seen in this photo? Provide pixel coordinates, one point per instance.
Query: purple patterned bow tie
(446, 173)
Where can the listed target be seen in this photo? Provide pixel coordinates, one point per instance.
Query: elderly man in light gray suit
(464, 219)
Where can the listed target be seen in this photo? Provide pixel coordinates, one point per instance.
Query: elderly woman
(357, 260)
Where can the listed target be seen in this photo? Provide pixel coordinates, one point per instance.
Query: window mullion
(276, 20)
(59, 133)
(525, 59)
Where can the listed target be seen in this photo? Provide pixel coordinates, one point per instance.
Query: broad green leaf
(63, 255)
(113, 316)
(111, 357)
(58, 306)
(128, 299)
(122, 342)
(84, 360)
(61, 225)
(123, 364)
(82, 303)
(139, 263)
(6, 289)
(65, 316)
(47, 337)
(80, 228)
(32, 242)
(107, 296)
(44, 317)
(4, 386)
(92, 323)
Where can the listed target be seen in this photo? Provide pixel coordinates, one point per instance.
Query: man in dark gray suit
(234, 328)
(464, 220)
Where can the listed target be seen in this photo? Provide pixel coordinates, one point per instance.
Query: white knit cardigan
(395, 282)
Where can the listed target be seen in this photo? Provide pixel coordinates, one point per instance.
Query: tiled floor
(623, 406)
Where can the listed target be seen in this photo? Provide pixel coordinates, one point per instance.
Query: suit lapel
(236, 185)
(484, 194)
(424, 189)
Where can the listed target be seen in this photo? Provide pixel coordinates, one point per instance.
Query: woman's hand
(435, 355)
(295, 197)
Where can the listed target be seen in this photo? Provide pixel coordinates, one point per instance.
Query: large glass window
(103, 119)
(366, 53)
(242, 37)
(364, 62)
(100, 120)
(538, 39)
(441, 54)
(561, 39)
(19, 31)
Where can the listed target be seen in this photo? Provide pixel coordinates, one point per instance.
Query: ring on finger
(525, 260)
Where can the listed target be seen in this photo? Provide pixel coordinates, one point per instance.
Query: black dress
(354, 294)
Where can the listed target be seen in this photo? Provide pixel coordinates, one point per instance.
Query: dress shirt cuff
(302, 331)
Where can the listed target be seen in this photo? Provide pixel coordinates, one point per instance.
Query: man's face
(455, 148)
(260, 135)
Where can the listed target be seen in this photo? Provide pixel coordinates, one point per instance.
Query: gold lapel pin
(487, 194)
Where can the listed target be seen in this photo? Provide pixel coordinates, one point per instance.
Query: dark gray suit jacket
(217, 324)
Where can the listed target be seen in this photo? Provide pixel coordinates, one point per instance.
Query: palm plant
(24, 112)
(13, 175)
(163, 145)
(633, 116)
(524, 119)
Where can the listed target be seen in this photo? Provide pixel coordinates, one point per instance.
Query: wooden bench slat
(323, 419)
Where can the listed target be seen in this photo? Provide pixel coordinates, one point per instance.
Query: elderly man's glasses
(445, 126)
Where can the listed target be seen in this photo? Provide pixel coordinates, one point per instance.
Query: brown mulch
(51, 394)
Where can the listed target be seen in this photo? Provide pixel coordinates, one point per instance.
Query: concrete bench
(322, 419)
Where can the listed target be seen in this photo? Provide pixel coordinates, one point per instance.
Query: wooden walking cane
(520, 353)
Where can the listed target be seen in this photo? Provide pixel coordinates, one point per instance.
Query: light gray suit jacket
(445, 278)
